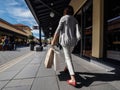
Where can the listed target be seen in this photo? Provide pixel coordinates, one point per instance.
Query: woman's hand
(54, 40)
(52, 43)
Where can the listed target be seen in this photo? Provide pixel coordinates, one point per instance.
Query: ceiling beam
(44, 14)
(50, 8)
(43, 11)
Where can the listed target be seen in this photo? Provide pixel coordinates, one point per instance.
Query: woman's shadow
(89, 78)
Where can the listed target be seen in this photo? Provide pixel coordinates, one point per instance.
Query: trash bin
(31, 47)
(32, 44)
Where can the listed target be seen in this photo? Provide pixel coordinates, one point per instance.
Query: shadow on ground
(87, 81)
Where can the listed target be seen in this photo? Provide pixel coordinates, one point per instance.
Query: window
(112, 30)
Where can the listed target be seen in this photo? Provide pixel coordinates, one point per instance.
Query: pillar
(97, 32)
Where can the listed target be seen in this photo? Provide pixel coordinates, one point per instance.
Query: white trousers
(68, 58)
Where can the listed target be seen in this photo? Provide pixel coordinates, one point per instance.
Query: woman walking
(68, 34)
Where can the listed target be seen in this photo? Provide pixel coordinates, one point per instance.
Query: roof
(41, 10)
(11, 27)
(22, 25)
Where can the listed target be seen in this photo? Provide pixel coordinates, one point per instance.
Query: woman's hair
(69, 10)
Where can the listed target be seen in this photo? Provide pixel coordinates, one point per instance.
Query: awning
(47, 13)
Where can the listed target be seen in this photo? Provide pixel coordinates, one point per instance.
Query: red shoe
(71, 83)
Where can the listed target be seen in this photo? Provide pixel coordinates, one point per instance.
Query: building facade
(15, 34)
(100, 29)
(25, 28)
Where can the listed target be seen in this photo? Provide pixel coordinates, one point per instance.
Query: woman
(68, 34)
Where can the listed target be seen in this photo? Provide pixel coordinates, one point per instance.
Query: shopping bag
(49, 58)
(58, 62)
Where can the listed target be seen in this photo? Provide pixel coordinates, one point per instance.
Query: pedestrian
(68, 38)
(5, 43)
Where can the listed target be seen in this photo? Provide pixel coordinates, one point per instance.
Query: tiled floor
(30, 74)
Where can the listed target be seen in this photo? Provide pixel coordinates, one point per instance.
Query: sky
(17, 12)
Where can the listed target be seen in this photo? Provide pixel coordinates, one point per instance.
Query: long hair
(69, 10)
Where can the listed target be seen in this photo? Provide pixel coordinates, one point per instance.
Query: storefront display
(112, 35)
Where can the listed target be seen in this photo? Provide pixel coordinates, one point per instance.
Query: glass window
(112, 30)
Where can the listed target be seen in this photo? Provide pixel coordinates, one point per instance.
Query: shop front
(14, 35)
(112, 29)
(100, 29)
(90, 17)
(14, 38)
(84, 17)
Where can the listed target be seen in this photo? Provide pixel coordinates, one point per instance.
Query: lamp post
(40, 42)
(40, 48)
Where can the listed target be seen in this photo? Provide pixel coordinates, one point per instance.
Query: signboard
(36, 27)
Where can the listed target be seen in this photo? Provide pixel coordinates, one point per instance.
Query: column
(97, 34)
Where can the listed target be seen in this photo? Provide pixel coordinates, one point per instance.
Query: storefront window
(112, 30)
(87, 29)
(77, 49)
(84, 17)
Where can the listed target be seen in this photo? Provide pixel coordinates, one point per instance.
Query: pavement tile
(2, 84)
(45, 83)
(7, 75)
(64, 86)
(116, 84)
(27, 72)
(20, 83)
(18, 88)
(87, 65)
(78, 68)
(43, 72)
(15, 68)
(84, 88)
(12, 54)
(103, 87)
(35, 61)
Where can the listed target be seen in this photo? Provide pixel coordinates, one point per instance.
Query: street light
(50, 28)
(52, 14)
(51, 4)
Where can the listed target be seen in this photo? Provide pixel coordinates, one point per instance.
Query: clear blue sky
(17, 12)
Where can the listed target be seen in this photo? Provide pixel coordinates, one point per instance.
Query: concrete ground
(6, 56)
(27, 72)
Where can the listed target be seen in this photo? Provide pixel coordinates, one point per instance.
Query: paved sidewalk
(29, 73)
(6, 56)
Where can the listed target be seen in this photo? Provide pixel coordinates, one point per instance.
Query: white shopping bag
(59, 63)
(56, 61)
(49, 58)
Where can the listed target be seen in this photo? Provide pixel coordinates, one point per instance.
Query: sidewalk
(28, 73)
(6, 56)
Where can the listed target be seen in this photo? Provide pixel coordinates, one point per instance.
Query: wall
(97, 34)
